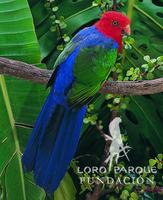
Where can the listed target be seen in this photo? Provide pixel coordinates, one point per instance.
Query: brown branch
(133, 87)
(96, 193)
(29, 72)
(156, 189)
(24, 71)
(114, 4)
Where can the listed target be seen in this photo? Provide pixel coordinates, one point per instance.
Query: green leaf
(146, 30)
(13, 185)
(152, 162)
(159, 165)
(66, 189)
(117, 100)
(54, 9)
(124, 195)
(160, 156)
(161, 68)
(17, 31)
(150, 75)
(143, 121)
(73, 12)
(147, 58)
(34, 192)
(134, 196)
(19, 105)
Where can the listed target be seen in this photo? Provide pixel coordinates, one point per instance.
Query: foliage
(19, 100)
(157, 161)
(35, 32)
(67, 190)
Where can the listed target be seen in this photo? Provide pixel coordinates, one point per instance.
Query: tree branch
(24, 71)
(115, 5)
(133, 87)
(29, 72)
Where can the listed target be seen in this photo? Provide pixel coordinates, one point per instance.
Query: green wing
(78, 39)
(61, 58)
(92, 67)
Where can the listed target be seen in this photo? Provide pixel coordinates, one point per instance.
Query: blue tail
(53, 143)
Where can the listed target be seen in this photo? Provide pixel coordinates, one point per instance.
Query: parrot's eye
(115, 23)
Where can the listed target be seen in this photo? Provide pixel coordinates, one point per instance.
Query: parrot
(80, 71)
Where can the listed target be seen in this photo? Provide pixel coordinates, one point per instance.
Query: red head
(114, 24)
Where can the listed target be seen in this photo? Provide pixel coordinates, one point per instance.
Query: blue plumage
(56, 132)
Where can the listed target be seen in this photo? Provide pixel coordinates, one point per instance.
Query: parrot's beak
(126, 30)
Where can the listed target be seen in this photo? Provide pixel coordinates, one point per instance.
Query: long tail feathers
(53, 143)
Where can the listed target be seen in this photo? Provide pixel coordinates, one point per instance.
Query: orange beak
(127, 30)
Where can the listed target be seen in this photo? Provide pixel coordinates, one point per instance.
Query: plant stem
(13, 130)
(123, 56)
(131, 4)
(114, 4)
(58, 26)
(129, 14)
